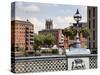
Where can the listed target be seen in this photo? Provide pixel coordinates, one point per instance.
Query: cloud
(58, 23)
(32, 8)
(38, 25)
(16, 18)
(22, 7)
(37, 13)
(69, 19)
(63, 21)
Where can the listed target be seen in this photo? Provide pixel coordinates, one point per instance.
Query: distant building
(92, 25)
(49, 24)
(57, 33)
(22, 35)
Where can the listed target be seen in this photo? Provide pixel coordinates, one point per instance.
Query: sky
(37, 13)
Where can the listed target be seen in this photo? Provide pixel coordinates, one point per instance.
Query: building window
(93, 11)
(93, 35)
(89, 13)
(26, 48)
(89, 24)
(93, 44)
(62, 39)
(89, 38)
(89, 45)
(93, 23)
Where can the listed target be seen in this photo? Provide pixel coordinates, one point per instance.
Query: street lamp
(77, 18)
(77, 49)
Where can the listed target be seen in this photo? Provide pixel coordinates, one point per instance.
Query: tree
(85, 32)
(43, 40)
(71, 32)
(49, 40)
(39, 41)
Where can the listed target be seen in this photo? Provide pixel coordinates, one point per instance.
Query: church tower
(49, 24)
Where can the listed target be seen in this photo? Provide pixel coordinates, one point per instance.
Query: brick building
(57, 33)
(92, 24)
(61, 40)
(22, 33)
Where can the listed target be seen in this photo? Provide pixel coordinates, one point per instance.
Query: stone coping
(32, 58)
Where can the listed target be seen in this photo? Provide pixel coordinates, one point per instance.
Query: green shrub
(37, 53)
(55, 51)
(44, 51)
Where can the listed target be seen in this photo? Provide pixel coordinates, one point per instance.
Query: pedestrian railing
(47, 63)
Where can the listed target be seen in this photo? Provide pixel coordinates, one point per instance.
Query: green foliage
(71, 32)
(49, 40)
(55, 51)
(41, 40)
(37, 53)
(36, 47)
(67, 32)
(46, 51)
(20, 49)
(94, 51)
(85, 32)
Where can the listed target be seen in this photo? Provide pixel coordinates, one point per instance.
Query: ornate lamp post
(77, 18)
(76, 49)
